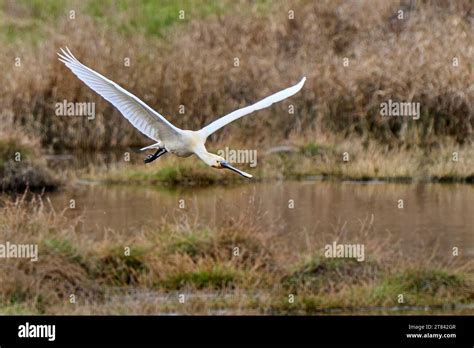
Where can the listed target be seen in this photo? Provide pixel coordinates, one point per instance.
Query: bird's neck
(205, 156)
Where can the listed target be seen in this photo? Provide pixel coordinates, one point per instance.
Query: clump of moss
(116, 268)
(321, 272)
(63, 248)
(220, 247)
(12, 147)
(312, 149)
(424, 286)
(427, 281)
(192, 244)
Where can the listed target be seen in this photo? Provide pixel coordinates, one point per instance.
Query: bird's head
(219, 162)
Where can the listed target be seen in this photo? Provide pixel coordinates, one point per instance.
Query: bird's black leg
(158, 153)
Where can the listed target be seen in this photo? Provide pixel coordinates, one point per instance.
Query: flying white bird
(167, 137)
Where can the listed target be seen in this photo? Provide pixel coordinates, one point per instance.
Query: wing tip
(66, 54)
(300, 84)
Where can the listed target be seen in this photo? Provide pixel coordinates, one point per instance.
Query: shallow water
(433, 214)
(138, 296)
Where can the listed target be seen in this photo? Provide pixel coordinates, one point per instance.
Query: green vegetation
(192, 244)
(365, 161)
(171, 171)
(320, 273)
(192, 60)
(118, 268)
(424, 287)
(61, 247)
(151, 17)
(126, 17)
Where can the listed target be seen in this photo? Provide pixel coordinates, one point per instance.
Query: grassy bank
(22, 165)
(176, 62)
(327, 158)
(331, 158)
(147, 272)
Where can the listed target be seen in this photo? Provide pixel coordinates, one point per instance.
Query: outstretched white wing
(264, 103)
(139, 114)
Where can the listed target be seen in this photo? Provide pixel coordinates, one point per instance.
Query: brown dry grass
(22, 165)
(408, 60)
(167, 259)
(367, 160)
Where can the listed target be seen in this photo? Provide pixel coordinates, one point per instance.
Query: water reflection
(431, 211)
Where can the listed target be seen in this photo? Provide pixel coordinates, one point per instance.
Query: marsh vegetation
(147, 271)
(356, 56)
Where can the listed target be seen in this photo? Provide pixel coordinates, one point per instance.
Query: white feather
(139, 114)
(264, 103)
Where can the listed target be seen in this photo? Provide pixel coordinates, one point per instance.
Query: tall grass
(168, 258)
(193, 65)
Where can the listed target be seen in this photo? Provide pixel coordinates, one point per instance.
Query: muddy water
(432, 214)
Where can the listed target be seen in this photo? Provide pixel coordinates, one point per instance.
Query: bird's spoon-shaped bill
(228, 166)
